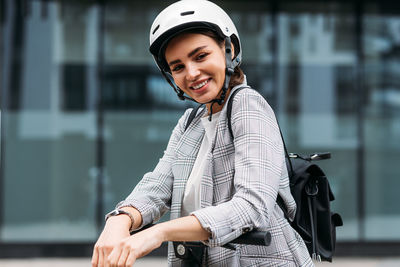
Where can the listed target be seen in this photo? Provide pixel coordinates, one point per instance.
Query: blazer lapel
(186, 150)
(189, 144)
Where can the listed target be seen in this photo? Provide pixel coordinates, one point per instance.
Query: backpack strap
(229, 115)
(192, 115)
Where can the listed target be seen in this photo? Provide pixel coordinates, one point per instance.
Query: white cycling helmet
(191, 14)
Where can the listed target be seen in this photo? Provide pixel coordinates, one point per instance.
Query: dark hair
(238, 75)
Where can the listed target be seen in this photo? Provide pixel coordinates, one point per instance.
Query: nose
(192, 72)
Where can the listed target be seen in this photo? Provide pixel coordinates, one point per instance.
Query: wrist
(161, 231)
(121, 216)
(122, 221)
(136, 215)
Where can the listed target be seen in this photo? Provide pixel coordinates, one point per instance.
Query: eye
(201, 56)
(177, 68)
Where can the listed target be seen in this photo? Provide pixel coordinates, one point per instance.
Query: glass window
(381, 123)
(49, 125)
(141, 109)
(316, 93)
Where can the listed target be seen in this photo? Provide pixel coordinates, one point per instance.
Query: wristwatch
(117, 212)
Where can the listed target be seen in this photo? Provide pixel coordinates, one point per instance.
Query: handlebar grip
(320, 156)
(254, 238)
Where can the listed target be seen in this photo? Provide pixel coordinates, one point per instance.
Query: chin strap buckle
(230, 70)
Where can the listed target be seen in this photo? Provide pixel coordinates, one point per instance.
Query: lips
(199, 85)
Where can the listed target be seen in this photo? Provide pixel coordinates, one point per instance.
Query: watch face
(112, 213)
(116, 212)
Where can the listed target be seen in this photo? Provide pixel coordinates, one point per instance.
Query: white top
(192, 196)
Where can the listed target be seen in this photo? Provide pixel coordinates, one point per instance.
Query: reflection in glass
(317, 61)
(50, 125)
(382, 125)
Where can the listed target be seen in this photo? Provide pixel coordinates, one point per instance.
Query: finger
(101, 258)
(113, 257)
(95, 257)
(110, 252)
(107, 263)
(123, 257)
(131, 259)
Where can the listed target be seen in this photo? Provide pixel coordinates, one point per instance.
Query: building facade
(85, 112)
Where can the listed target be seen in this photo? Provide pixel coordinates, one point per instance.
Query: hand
(115, 230)
(135, 246)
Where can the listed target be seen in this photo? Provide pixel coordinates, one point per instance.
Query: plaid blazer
(239, 186)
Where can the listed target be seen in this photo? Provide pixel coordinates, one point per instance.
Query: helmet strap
(176, 88)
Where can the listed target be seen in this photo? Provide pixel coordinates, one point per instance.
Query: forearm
(183, 229)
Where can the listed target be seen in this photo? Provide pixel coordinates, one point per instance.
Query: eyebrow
(189, 55)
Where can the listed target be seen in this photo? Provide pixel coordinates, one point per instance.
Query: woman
(216, 188)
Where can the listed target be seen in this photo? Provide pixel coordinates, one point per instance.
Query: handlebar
(315, 156)
(254, 237)
(261, 238)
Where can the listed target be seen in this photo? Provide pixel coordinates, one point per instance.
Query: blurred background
(85, 112)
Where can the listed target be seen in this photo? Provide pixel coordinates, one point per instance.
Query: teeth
(200, 85)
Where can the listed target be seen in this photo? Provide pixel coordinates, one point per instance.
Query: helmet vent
(187, 13)
(158, 26)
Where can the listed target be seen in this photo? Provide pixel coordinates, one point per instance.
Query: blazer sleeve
(259, 158)
(152, 195)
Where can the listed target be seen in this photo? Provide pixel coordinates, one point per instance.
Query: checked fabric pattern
(239, 186)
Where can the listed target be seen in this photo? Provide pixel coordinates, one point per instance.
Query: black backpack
(314, 220)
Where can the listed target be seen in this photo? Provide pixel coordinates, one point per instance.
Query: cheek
(177, 79)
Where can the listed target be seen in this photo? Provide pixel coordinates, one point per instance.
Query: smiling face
(197, 64)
